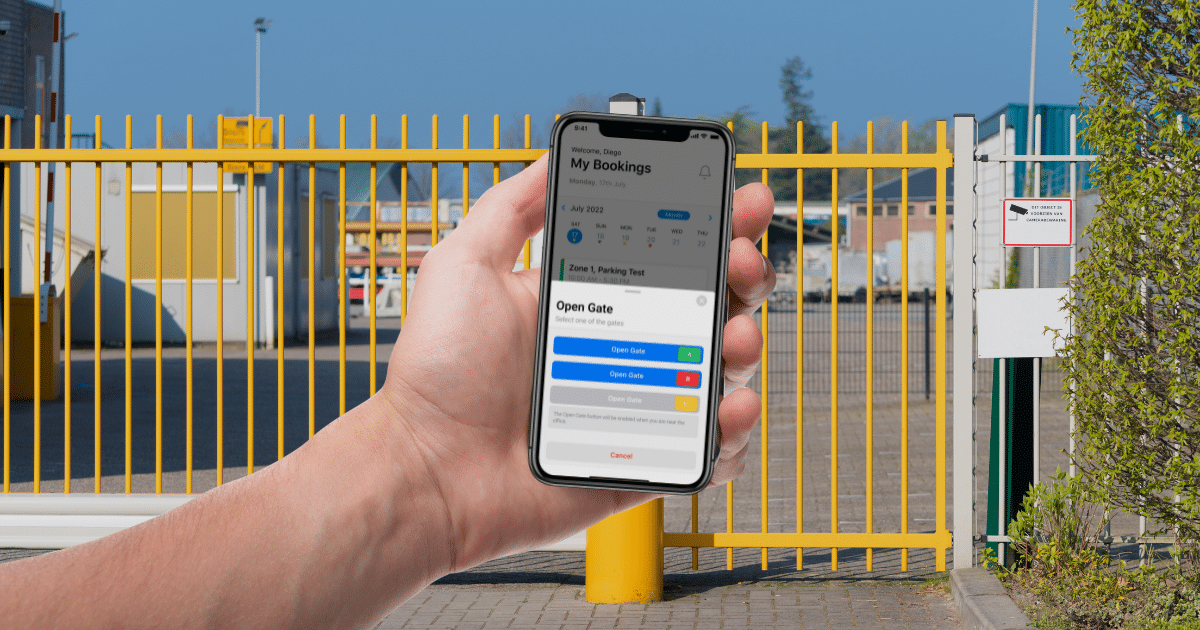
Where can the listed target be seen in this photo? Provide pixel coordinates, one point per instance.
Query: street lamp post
(260, 27)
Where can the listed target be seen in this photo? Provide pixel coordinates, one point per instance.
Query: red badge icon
(687, 379)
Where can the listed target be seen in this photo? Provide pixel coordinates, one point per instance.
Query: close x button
(687, 379)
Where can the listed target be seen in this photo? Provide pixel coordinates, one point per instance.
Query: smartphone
(627, 375)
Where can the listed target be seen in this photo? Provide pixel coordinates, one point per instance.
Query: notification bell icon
(704, 172)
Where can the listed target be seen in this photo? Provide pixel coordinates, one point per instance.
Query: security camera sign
(1038, 223)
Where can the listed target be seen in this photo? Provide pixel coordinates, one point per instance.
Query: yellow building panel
(204, 235)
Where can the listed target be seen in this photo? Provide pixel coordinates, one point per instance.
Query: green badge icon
(690, 354)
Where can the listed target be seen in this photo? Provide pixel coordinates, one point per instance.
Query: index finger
(751, 276)
(753, 206)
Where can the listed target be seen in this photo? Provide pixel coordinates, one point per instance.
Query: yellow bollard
(625, 556)
(26, 310)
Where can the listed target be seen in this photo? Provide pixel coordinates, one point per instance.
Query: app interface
(635, 253)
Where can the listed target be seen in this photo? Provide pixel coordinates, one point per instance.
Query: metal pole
(1002, 461)
(1037, 283)
(1071, 287)
(257, 73)
(260, 27)
(1032, 72)
(964, 342)
(624, 552)
(47, 290)
(926, 302)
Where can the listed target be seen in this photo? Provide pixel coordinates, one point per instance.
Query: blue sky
(914, 60)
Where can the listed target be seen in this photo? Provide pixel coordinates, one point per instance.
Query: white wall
(991, 188)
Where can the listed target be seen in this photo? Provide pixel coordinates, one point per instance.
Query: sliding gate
(886, 492)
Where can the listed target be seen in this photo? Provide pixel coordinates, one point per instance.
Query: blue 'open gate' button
(640, 350)
(623, 374)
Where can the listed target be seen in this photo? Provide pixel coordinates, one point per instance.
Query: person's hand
(460, 376)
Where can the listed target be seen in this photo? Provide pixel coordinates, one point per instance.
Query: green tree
(657, 110)
(794, 75)
(1134, 361)
(888, 138)
(747, 134)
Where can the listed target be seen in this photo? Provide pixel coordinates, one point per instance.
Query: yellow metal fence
(237, 158)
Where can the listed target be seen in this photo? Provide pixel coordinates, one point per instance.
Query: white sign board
(1013, 322)
(1038, 223)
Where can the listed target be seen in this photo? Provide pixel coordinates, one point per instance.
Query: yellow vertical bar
(870, 411)
(375, 249)
(904, 345)
(280, 291)
(495, 145)
(729, 490)
(220, 307)
(8, 310)
(404, 223)
(158, 394)
(695, 529)
(37, 326)
(312, 282)
(188, 209)
(800, 345)
(67, 312)
(764, 433)
(97, 310)
(526, 253)
(128, 310)
(833, 356)
(466, 165)
(251, 192)
(940, 355)
(342, 271)
(433, 188)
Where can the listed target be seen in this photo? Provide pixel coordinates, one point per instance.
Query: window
(912, 210)
(893, 210)
(174, 235)
(861, 210)
(949, 208)
(878, 211)
(325, 237)
(329, 239)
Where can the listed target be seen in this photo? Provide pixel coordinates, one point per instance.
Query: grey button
(616, 398)
(600, 454)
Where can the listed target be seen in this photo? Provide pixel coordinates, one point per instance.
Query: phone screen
(630, 365)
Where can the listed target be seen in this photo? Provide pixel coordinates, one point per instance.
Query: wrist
(387, 510)
(457, 483)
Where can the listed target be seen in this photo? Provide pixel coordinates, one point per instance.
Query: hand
(460, 376)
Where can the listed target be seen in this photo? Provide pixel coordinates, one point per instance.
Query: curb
(983, 603)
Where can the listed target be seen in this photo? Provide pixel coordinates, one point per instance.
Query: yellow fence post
(625, 556)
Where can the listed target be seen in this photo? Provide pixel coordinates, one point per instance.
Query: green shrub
(1064, 576)
(1134, 362)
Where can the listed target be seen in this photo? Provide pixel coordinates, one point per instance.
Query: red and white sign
(1037, 223)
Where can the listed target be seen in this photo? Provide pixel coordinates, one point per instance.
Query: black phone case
(712, 434)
